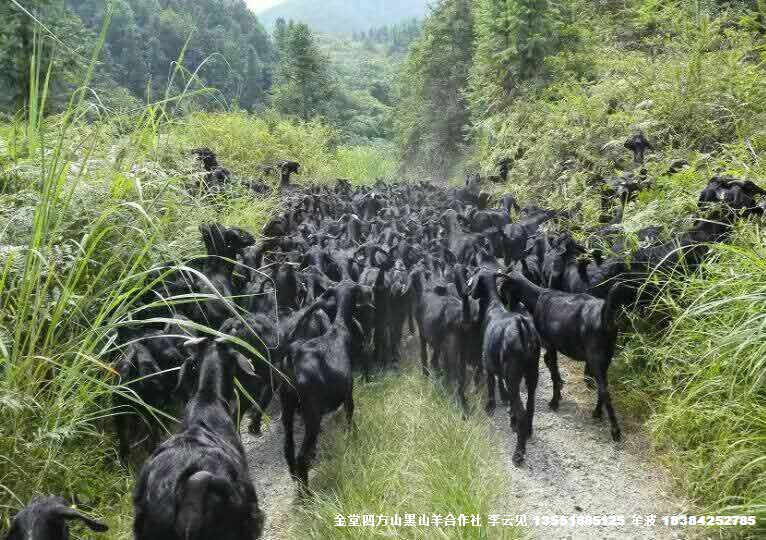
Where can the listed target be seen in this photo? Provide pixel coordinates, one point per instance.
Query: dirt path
(276, 490)
(573, 467)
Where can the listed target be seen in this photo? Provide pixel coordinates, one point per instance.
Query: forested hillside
(228, 51)
(343, 17)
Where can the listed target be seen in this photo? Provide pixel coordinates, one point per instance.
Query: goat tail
(191, 499)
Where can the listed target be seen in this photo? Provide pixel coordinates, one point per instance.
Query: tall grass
(82, 219)
(245, 142)
(705, 376)
(413, 453)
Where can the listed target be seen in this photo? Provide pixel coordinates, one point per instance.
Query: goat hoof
(616, 435)
(518, 458)
(553, 405)
(598, 413)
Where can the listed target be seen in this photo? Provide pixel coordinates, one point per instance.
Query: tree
(513, 39)
(18, 34)
(303, 84)
(433, 114)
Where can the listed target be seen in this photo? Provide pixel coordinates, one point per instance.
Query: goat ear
(68, 513)
(183, 374)
(245, 365)
(193, 343)
(470, 285)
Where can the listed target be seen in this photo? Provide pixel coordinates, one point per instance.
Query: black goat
(286, 169)
(216, 175)
(511, 352)
(146, 371)
(736, 195)
(638, 144)
(579, 326)
(261, 334)
(197, 485)
(438, 314)
(320, 378)
(46, 518)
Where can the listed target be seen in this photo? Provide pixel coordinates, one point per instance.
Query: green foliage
(413, 453)
(147, 36)
(303, 86)
(17, 41)
(513, 39)
(366, 89)
(245, 141)
(704, 375)
(432, 116)
(225, 41)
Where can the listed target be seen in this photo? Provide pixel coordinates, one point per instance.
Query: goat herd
(327, 293)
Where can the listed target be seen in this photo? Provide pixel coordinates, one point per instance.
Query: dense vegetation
(557, 88)
(221, 45)
(432, 115)
(218, 54)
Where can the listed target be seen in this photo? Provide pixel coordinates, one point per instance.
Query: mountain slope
(344, 16)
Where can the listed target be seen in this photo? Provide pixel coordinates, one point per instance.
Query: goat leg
(256, 412)
(590, 380)
(477, 373)
(531, 378)
(396, 340)
(348, 406)
(552, 361)
(435, 355)
(312, 421)
(461, 376)
(491, 403)
(121, 424)
(423, 351)
(605, 399)
(517, 407)
(288, 417)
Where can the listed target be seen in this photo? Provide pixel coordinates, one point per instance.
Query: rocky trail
(573, 468)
